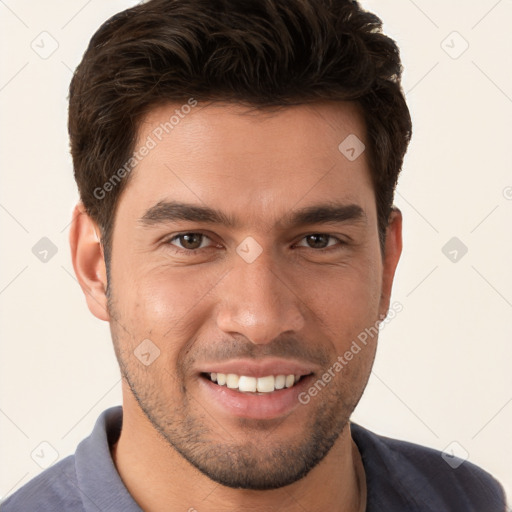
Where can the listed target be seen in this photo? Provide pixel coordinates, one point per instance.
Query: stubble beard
(259, 463)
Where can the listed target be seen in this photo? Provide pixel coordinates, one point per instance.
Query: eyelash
(180, 250)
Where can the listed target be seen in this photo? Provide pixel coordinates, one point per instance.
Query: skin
(293, 301)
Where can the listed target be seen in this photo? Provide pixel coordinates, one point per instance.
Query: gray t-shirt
(400, 477)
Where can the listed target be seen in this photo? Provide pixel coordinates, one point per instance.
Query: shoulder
(53, 489)
(427, 476)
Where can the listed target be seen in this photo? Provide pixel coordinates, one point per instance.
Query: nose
(258, 304)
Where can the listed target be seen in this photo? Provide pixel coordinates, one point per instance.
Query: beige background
(442, 373)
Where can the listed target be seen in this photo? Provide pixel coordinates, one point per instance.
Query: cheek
(347, 297)
(348, 313)
(171, 302)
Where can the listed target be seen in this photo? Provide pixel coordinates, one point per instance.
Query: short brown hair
(262, 53)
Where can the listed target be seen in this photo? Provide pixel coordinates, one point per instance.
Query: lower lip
(263, 406)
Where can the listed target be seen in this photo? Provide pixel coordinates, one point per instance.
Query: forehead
(251, 163)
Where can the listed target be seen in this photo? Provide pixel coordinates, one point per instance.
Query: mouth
(254, 385)
(262, 389)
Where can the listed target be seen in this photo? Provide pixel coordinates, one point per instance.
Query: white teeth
(280, 381)
(232, 380)
(266, 384)
(247, 384)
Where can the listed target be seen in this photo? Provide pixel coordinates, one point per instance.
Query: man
(236, 163)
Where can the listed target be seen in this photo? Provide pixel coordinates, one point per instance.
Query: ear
(89, 262)
(392, 252)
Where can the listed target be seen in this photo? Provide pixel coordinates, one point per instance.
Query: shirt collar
(99, 483)
(392, 482)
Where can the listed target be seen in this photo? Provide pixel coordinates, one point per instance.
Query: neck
(160, 479)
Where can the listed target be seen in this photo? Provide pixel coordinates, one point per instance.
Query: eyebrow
(329, 213)
(172, 211)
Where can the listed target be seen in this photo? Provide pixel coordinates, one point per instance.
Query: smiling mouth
(254, 385)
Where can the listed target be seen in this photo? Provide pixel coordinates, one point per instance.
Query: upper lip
(259, 367)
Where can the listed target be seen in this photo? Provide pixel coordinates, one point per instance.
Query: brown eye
(321, 241)
(317, 241)
(189, 241)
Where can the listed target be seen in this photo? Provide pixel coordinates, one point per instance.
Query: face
(246, 250)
